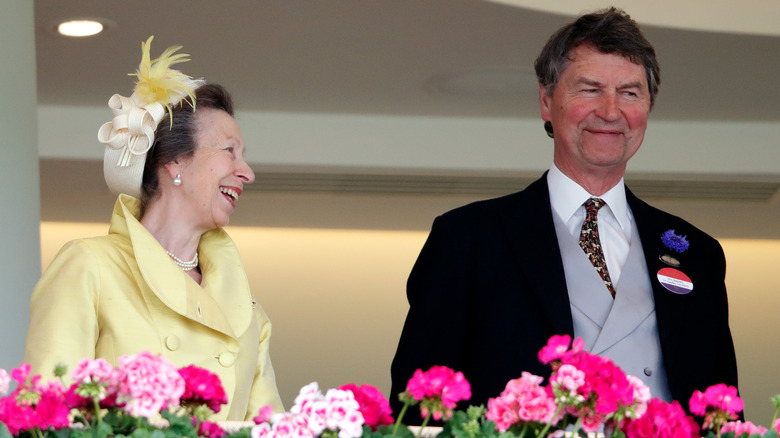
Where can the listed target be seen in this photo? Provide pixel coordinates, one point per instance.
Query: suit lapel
(670, 315)
(528, 226)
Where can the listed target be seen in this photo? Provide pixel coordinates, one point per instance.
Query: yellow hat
(130, 134)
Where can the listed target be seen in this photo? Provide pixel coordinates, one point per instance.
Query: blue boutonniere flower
(674, 241)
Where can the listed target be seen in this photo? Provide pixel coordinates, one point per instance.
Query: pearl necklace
(184, 265)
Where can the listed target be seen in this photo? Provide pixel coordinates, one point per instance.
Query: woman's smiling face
(216, 173)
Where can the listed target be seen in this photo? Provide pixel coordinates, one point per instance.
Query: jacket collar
(220, 264)
(528, 226)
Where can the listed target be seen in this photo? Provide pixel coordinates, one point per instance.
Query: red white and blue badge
(675, 281)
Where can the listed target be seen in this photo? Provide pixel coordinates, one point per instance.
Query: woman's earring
(177, 180)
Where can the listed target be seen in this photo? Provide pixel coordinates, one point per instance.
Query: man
(497, 278)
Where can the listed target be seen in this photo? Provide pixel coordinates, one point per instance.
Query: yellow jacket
(120, 294)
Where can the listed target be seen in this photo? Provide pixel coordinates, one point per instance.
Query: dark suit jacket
(488, 290)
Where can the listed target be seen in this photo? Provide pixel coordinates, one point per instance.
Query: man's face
(599, 111)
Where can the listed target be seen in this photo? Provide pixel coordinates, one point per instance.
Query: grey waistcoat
(624, 329)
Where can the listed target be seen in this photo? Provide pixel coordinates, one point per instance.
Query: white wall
(470, 144)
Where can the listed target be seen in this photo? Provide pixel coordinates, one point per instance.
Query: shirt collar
(566, 196)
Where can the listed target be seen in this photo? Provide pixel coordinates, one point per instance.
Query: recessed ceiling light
(80, 28)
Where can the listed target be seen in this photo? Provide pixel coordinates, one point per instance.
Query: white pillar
(20, 248)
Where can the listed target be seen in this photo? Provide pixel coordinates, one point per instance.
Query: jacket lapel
(228, 282)
(670, 315)
(158, 276)
(529, 229)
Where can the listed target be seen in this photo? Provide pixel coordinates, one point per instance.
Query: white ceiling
(409, 57)
(707, 15)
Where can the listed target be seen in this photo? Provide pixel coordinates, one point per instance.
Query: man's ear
(545, 103)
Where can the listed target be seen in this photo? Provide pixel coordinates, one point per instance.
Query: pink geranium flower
(439, 389)
(94, 379)
(373, 405)
(263, 415)
(34, 404)
(17, 417)
(718, 404)
(557, 349)
(148, 384)
(606, 388)
(524, 400)
(641, 397)
(455, 390)
(51, 410)
(5, 381)
(661, 420)
(208, 429)
(21, 373)
(568, 379)
(287, 425)
(590, 387)
(720, 396)
(260, 430)
(739, 427)
(93, 371)
(337, 411)
(202, 387)
(556, 346)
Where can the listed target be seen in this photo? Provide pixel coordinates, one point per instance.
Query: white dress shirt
(615, 220)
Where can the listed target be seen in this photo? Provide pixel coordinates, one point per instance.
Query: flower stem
(524, 429)
(617, 419)
(547, 426)
(576, 426)
(774, 417)
(400, 417)
(424, 423)
(96, 405)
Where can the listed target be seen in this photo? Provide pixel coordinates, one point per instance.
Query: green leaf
(140, 433)
(4, 433)
(103, 430)
(470, 424)
(245, 432)
(387, 431)
(81, 433)
(62, 433)
(476, 412)
(771, 433)
(488, 429)
(179, 425)
(119, 422)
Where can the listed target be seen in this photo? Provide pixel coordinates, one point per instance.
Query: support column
(20, 249)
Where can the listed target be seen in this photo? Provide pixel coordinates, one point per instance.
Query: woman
(167, 278)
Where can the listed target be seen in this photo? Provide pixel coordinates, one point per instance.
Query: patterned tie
(590, 243)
